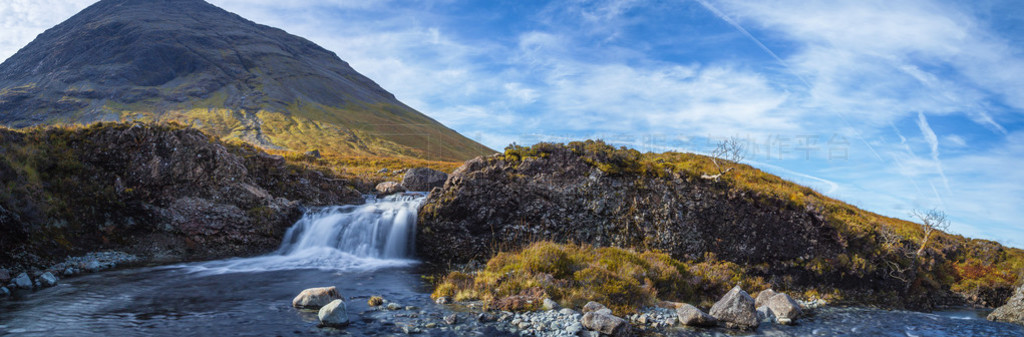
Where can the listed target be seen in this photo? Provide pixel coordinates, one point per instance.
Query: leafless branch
(727, 151)
(931, 220)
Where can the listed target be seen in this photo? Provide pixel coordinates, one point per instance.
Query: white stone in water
(333, 314)
(22, 281)
(47, 279)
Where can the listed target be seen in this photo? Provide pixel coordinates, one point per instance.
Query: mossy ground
(622, 279)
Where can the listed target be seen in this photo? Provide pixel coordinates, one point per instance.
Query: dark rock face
(163, 193)
(1013, 311)
(132, 50)
(491, 202)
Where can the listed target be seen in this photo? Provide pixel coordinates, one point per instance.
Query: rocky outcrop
(333, 314)
(164, 193)
(314, 298)
(1013, 310)
(690, 315)
(736, 310)
(423, 179)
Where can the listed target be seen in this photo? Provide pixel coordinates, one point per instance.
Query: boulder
(605, 324)
(736, 310)
(1013, 310)
(314, 298)
(765, 315)
(333, 314)
(593, 306)
(783, 306)
(763, 296)
(22, 281)
(692, 316)
(47, 280)
(423, 179)
(390, 187)
(451, 319)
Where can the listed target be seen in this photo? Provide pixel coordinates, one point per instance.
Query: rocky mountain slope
(166, 193)
(788, 235)
(191, 62)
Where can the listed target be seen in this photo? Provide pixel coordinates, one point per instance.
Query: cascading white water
(379, 233)
(381, 228)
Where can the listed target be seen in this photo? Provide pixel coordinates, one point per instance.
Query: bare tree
(931, 220)
(726, 152)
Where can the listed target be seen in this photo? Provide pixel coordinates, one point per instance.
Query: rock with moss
(1013, 310)
(736, 310)
(314, 298)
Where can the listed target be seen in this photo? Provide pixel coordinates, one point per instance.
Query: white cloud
(22, 20)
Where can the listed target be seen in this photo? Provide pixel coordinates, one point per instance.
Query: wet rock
(605, 324)
(784, 321)
(692, 316)
(431, 325)
(390, 187)
(451, 319)
(1013, 310)
(765, 315)
(47, 280)
(314, 298)
(783, 306)
(22, 281)
(333, 314)
(763, 296)
(394, 306)
(485, 318)
(443, 300)
(736, 310)
(4, 292)
(423, 179)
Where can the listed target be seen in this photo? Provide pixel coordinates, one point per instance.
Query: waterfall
(380, 228)
(377, 234)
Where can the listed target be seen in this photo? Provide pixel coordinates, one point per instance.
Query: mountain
(192, 62)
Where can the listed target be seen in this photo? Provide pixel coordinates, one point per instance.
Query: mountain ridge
(192, 62)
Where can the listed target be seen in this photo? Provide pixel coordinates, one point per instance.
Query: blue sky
(889, 105)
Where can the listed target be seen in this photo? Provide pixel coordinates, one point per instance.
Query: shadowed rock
(690, 315)
(1013, 311)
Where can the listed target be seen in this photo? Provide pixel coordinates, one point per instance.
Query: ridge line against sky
(887, 105)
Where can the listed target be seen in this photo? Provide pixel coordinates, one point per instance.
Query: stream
(364, 250)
